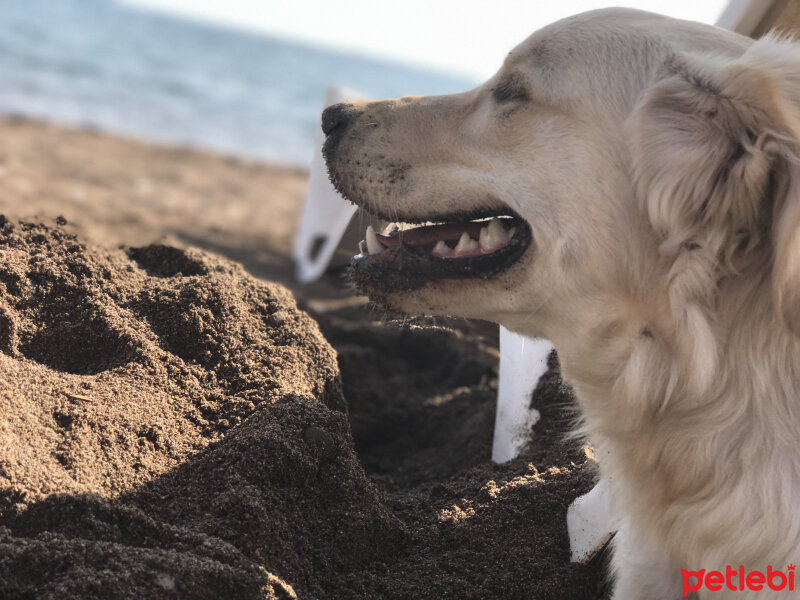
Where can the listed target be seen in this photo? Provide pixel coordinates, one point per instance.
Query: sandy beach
(180, 419)
(115, 191)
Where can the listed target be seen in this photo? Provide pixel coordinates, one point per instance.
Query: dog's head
(618, 160)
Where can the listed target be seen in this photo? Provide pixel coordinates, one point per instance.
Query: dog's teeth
(511, 233)
(391, 228)
(496, 229)
(373, 245)
(485, 240)
(465, 244)
(493, 236)
(441, 249)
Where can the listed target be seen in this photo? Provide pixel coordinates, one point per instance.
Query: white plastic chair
(326, 217)
(325, 226)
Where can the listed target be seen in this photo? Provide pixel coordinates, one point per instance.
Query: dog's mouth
(405, 257)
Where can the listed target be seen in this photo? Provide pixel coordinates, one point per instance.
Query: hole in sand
(80, 340)
(167, 261)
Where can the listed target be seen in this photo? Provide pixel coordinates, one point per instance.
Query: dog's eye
(510, 89)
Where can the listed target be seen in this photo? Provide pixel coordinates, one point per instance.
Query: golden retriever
(628, 187)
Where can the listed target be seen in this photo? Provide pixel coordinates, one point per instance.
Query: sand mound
(169, 425)
(173, 428)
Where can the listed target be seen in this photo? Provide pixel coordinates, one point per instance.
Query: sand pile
(169, 424)
(172, 427)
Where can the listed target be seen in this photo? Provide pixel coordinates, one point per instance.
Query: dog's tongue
(429, 235)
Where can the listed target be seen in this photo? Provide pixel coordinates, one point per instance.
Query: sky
(469, 37)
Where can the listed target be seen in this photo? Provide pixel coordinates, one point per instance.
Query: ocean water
(117, 68)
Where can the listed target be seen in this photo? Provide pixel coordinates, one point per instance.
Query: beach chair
(328, 233)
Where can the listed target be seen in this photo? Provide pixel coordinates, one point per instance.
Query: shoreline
(89, 128)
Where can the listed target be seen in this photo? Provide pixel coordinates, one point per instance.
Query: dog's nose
(337, 115)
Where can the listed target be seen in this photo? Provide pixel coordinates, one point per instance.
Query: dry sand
(174, 427)
(116, 191)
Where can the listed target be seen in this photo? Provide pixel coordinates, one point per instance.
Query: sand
(177, 425)
(116, 191)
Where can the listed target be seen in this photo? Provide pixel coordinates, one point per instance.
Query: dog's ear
(717, 162)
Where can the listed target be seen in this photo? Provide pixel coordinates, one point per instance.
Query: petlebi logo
(738, 579)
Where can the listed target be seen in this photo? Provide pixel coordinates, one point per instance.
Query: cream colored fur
(658, 164)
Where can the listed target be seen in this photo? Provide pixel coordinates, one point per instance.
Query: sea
(114, 67)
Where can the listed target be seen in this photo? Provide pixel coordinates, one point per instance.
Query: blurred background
(247, 77)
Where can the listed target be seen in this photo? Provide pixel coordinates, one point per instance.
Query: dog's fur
(657, 163)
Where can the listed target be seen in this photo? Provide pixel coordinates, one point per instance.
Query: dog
(628, 187)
